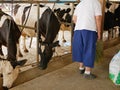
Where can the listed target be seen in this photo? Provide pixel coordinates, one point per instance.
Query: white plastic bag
(114, 69)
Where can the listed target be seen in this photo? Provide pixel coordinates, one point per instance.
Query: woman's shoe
(89, 76)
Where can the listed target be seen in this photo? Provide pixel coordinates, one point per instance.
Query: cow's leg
(24, 45)
(63, 37)
(63, 28)
(30, 42)
(56, 39)
(19, 50)
(19, 53)
(1, 53)
(112, 32)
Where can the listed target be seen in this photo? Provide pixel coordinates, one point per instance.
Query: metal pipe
(32, 28)
(57, 1)
(38, 14)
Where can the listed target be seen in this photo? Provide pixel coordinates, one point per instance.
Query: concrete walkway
(68, 77)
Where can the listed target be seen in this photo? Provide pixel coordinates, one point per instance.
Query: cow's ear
(18, 63)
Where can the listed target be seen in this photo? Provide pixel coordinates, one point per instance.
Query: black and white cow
(48, 28)
(64, 13)
(9, 35)
(111, 19)
(110, 16)
(20, 15)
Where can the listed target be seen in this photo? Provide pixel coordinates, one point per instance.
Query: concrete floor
(67, 77)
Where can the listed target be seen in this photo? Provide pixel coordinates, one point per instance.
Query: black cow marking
(16, 9)
(24, 13)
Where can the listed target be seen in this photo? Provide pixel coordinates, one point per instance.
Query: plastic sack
(114, 69)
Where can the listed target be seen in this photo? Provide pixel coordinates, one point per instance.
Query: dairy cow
(9, 35)
(64, 13)
(48, 28)
(112, 17)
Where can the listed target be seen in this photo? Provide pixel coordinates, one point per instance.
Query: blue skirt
(84, 47)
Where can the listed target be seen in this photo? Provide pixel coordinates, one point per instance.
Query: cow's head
(45, 57)
(47, 54)
(9, 72)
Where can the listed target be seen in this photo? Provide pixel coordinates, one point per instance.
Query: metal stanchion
(38, 14)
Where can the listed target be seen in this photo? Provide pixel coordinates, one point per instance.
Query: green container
(118, 79)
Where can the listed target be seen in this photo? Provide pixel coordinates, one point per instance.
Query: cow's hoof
(21, 62)
(5, 88)
(26, 51)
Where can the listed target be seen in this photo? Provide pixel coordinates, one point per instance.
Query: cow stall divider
(38, 13)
